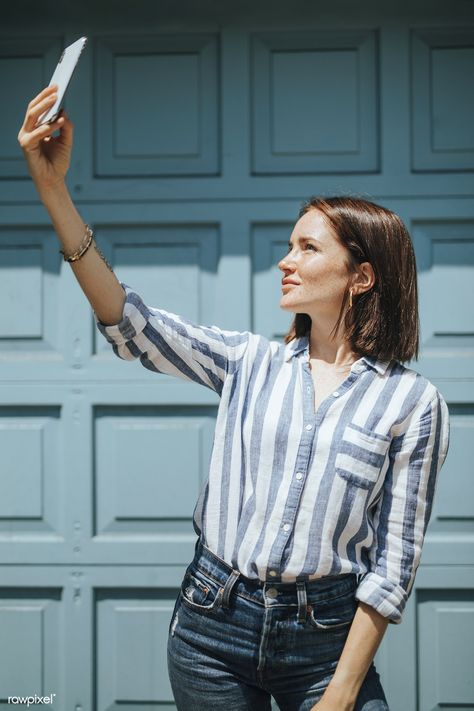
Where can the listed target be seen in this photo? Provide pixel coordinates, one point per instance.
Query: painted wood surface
(198, 132)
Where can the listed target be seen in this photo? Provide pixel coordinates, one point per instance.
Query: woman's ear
(364, 280)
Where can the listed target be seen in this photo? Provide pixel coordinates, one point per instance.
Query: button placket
(310, 423)
(303, 458)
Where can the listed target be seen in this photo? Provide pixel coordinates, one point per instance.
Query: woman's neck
(336, 354)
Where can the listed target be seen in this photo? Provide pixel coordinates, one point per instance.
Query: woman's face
(316, 266)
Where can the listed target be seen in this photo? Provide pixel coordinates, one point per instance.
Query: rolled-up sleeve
(167, 343)
(402, 514)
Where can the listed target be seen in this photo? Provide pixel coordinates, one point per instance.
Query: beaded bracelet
(84, 246)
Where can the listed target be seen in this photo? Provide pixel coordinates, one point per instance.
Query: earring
(350, 298)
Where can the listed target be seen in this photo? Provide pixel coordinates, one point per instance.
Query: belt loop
(302, 601)
(227, 589)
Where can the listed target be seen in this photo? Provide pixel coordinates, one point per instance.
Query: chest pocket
(361, 455)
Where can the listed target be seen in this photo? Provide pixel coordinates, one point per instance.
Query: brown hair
(383, 321)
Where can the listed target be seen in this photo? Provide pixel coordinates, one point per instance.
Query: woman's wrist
(344, 694)
(51, 193)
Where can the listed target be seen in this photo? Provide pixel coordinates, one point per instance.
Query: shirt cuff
(134, 319)
(386, 597)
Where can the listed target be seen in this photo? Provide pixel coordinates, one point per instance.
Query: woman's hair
(383, 321)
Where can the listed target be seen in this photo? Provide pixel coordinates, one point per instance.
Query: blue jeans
(235, 642)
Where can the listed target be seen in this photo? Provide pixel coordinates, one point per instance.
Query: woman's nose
(285, 264)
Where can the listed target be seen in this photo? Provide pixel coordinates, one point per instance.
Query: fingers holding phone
(37, 106)
(48, 157)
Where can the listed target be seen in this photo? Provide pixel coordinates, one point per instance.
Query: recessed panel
(445, 262)
(21, 280)
(170, 273)
(29, 628)
(150, 466)
(453, 509)
(132, 634)
(26, 65)
(29, 492)
(446, 633)
(453, 109)
(314, 102)
(21, 444)
(269, 246)
(170, 129)
(29, 276)
(157, 110)
(453, 267)
(308, 90)
(171, 267)
(28, 74)
(442, 100)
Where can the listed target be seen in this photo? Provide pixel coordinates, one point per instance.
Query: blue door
(199, 129)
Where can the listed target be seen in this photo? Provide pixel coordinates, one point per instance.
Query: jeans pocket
(174, 613)
(199, 592)
(336, 616)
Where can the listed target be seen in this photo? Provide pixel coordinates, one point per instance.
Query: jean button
(272, 593)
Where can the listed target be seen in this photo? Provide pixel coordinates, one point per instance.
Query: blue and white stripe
(293, 493)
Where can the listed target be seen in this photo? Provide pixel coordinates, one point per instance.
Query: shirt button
(272, 592)
(309, 427)
(308, 389)
(286, 527)
(299, 475)
(272, 573)
(336, 394)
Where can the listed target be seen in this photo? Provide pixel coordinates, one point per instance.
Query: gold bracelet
(84, 246)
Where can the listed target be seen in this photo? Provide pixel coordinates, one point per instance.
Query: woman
(325, 460)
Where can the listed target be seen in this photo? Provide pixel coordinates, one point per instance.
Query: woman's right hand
(48, 157)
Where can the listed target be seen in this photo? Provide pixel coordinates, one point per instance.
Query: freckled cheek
(318, 277)
(323, 285)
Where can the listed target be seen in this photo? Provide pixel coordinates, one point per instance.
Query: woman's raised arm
(48, 158)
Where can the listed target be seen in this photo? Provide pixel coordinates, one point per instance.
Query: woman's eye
(308, 245)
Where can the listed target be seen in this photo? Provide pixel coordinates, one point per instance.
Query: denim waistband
(298, 593)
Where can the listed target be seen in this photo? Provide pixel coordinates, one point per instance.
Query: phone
(62, 76)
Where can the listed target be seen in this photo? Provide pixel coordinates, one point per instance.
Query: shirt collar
(298, 345)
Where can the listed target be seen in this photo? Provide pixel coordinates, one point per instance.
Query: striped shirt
(298, 494)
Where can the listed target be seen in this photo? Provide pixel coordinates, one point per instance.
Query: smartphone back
(62, 76)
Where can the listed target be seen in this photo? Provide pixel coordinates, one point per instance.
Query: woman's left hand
(325, 705)
(332, 700)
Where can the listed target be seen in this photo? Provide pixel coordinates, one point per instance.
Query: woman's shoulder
(423, 390)
(423, 408)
